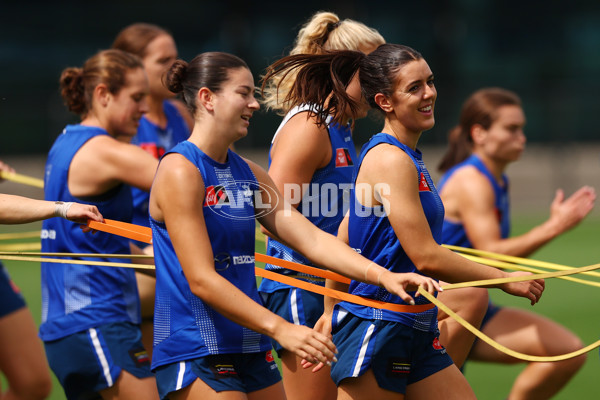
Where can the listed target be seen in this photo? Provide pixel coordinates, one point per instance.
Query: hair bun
(176, 76)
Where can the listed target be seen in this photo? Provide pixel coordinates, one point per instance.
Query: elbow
(427, 263)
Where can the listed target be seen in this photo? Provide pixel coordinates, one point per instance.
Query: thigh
(365, 387)
(525, 332)
(22, 357)
(129, 387)
(447, 384)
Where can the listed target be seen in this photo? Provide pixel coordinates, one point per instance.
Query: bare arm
(472, 195)
(177, 198)
(325, 249)
(104, 162)
(301, 147)
(21, 210)
(396, 175)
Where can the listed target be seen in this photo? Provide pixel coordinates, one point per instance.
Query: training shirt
(454, 232)
(325, 201)
(185, 327)
(78, 297)
(156, 140)
(371, 234)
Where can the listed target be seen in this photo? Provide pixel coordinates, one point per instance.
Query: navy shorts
(397, 354)
(238, 372)
(11, 298)
(91, 360)
(297, 306)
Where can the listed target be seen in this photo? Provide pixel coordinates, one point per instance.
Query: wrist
(61, 208)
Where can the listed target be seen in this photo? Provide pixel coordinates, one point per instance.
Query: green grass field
(565, 302)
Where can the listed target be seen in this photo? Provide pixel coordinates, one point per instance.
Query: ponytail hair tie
(331, 27)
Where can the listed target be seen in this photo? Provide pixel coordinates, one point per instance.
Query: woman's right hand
(400, 283)
(532, 289)
(306, 343)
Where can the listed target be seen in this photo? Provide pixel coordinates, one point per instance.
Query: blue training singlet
(454, 232)
(78, 297)
(371, 233)
(325, 201)
(185, 327)
(156, 141)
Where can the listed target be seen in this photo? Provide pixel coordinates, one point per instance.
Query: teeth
(425, 109)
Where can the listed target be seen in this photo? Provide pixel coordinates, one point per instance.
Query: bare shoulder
(302, 131)
(468, 180)
(387, 159)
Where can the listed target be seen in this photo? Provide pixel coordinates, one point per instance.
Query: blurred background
(548, 52)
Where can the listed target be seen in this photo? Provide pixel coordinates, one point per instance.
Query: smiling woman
(210, 327)
(90, 316)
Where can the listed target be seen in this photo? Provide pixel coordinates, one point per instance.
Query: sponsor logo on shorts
(139, 356)
(224, 371)
(398, 366)
(436, 344)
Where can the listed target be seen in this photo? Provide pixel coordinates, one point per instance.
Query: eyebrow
(418, 81)
(246, 88)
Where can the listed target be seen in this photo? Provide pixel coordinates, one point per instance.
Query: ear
(101, 94)
(383, 102)
(205, 98)
(478, 134)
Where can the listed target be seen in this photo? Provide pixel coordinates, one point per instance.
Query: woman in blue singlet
(395, 219)
(166, 123)
(474, 189)
(210, 329)
(91, 315)
(311, 161)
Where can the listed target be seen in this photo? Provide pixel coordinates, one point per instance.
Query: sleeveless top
(371, 234)
(78, 297)
(184, 326)
(325, 201)
(156, 140)
(454, 232)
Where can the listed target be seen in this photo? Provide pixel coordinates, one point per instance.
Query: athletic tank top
(454, 232)
(325, 201)
(371, 234)
(78, 297)
(156, 140)
(184, 326)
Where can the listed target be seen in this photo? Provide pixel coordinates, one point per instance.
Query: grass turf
(565, 302)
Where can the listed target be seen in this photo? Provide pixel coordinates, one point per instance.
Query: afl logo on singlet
(240, 200)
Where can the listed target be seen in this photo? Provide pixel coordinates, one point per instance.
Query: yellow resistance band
(27, 180)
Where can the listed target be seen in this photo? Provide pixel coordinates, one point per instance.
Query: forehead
(510, 115)
(136, 80)
(161, 44)
(239, 77)
(416, 70)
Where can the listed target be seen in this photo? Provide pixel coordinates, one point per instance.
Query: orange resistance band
(144, 234)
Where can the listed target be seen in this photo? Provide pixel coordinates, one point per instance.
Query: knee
(33, 388)
(472, 303)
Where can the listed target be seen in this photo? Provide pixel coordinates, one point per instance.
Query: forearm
(443, 264)
(20, 210)
(525, 244)
(235, 305)
(330, 302)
